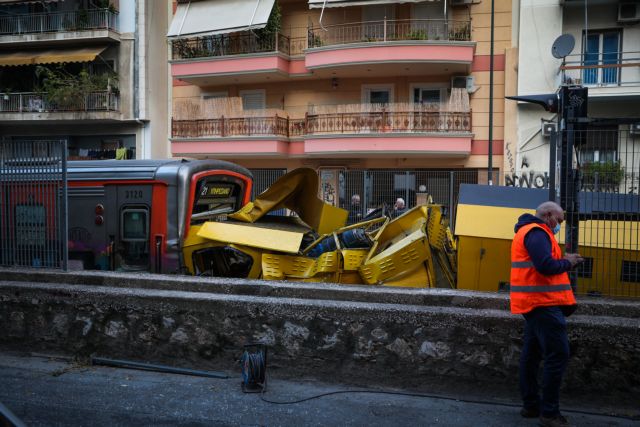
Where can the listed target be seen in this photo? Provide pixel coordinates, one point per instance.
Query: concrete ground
(44, 391)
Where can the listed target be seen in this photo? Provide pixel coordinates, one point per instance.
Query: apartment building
(384, 98)
(605, 59)
(91, 72)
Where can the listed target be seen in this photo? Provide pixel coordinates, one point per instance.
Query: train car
(134, 215)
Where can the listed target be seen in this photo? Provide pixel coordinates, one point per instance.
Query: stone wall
(364, 335)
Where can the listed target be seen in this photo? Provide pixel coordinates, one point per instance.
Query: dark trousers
(545, 339)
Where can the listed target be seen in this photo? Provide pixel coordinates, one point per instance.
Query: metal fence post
(65, 217)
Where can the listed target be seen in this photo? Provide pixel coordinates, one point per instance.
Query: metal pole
(490, 160)
(64, 233)
(553, 147)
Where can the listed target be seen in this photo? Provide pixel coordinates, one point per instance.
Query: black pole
(490, 160)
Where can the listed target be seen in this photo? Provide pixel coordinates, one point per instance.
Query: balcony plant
(66, 91)
(608, 174)
(417, 35)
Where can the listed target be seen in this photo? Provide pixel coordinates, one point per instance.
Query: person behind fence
(541, 291)
(399, 207)
(355, 209)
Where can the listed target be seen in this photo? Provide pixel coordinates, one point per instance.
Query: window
(253, 99)
(377, 94)
(585, 269)
(601, 145)
(601, 50)
(215, 95)
(373, 17)
(630, 271)
(135, 226)
(133, 250)
(428, 95)
(428, 21)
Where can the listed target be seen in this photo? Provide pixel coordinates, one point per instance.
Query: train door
(129, 228)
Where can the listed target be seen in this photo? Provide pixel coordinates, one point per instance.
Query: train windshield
(215, 197)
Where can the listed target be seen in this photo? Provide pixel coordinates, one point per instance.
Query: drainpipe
(139, 85)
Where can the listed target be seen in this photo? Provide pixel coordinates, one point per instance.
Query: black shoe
(530, 412)
(557, 421)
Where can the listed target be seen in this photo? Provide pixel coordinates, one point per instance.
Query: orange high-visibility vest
(529, 288)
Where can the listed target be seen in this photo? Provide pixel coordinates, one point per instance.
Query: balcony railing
(318, 124)
(229, 44)
(603, 69)
(95, 19)
(357, 32)
(34, 102)
(390, 30)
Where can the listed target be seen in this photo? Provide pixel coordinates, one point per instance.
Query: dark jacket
(539, 247)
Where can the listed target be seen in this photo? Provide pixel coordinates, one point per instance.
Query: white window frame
(366, 92)
(263, 92)
(429, 86)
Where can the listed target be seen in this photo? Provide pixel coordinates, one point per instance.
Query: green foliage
(608, 173)
(417, 35)
(67, 90)
(461, 33)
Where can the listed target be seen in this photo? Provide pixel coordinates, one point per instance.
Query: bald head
(551, 213)
(547, 208)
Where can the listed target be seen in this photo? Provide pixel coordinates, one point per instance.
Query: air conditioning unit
(629, 12)
(548, 128)
(464, 82)
(634, 129)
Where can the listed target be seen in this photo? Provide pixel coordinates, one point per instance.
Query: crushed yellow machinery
(415, 249)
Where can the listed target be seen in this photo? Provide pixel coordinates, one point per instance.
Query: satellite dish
(563, 46)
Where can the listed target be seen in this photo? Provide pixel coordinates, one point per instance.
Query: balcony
(347, 134)
(421, 47)
(32, 28)
(35, 106)
(608, 74)
(429, 45)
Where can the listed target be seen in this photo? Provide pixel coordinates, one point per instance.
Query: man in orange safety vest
(541, 291)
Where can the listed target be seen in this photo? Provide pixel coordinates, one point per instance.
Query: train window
(216, 196)
(133, 249)
(135, 225)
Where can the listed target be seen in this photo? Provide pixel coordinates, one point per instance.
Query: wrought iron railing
(35, 102)
(603, 69)
(229, 44)
(315, 124)
(224, 127)
(93, 19)
(390, 30)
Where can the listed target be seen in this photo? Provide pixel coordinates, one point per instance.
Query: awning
(31, 57)
(317, 4)
(206, 17)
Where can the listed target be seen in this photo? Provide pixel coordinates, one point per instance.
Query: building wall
(296, 96)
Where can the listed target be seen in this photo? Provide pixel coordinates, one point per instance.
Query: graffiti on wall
(528, 179)
(329, 186)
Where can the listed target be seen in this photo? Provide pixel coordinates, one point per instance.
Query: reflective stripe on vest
(529, 288)
(541, 288)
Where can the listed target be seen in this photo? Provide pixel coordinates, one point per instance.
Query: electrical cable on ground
(439, 397)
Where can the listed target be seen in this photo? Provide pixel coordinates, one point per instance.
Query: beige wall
(296, 96)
